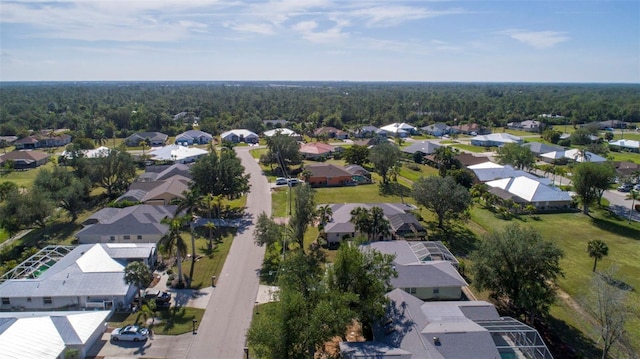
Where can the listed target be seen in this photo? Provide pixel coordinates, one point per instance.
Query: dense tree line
(105, 110)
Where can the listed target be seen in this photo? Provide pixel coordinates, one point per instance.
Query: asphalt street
(228, 316)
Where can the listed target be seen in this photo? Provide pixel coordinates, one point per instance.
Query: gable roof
(356, 169)
(439, 274)
(26, 156)
(241, 132)
(194, 134)
(530, 190)
(153, 136)
(501, 137)
(141, 219)
(540, 148)
(633, 144)
(489, 171)
(341, 218)
(426, 147)
(575, 155)
(398, 127)
(404, 221)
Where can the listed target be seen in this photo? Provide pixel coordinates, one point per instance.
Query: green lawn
(258, 152)
(175, 321)
(206, 266)
(4, 235)
(25, 178)
(627, 136)
(571, 232)
(413, 175)
(515, 132)
(624, 156)
(471, 148)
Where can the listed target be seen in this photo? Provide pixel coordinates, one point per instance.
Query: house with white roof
(528, 191)
(423, 147)
(66, 277)
(177, 154)
(399, 129)
(626, 145)
(282, 131)
(489, 171)
(446, 330)
(193, 137)
(239, 135)
(425, 269)
(50, 335)
(574, 155)
(495, 139)
(101, 151)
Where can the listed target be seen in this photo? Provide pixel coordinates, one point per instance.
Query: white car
(132, 333)
(281, 181)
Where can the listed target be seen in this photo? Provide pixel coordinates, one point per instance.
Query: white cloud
(395, 14)
(331, 35)
(538, 39)
(264, 29)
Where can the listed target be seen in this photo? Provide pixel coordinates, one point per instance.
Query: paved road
(228, 315)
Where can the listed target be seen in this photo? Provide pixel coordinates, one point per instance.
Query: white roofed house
(73, 278)
(495, 139)
(282, 131)
(177, 154)
(626, 145)
(528, 191)
(399, 129)
(239, 135)
(574, 155)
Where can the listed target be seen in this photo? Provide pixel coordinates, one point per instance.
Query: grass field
(3, 235)
(472, 148)
(25, 178)
(624, 156)
(175, 321)
(206, 266)
(571, 232)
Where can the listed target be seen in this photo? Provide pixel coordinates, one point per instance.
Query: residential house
(340, 226)
(489, 171)
(627, 170)
(573, 155)
(625, 145)
(331, 132)
(7, 140)
(437, 129)
(528, 125)
(193, 137)
(539, 148)
(177, 154)
(472, 129)
(50, 335)
(328, 175)
(163, 172)
(317, 150)
(358, 174)
(423, 147)
(24, 159)
(282, 131)
(101, 151)
(529, 191)
(150, 138)
(135, 224)
(239, 135)
(426, 269)
(468, 159)
(369, 131)
(446, 330)
(65, 277)
(161, 192)
(43, 140)
(611, 124)
(370, 142)
(495, 139)
(400, 129)
(406, 226)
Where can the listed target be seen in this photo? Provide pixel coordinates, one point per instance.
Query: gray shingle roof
(141, 219)
(428, 275)
(426, 147)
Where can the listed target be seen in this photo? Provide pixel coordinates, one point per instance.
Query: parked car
(155, 294)
(637, 187)
(163, 304)
(625, 187)
(294, 182)
(132, 333)
(281, 181)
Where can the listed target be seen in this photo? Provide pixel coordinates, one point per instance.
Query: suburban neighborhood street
(228, 315)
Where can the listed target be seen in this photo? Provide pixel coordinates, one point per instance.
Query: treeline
(119, 108)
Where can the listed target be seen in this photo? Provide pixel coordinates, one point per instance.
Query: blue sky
(358, 40)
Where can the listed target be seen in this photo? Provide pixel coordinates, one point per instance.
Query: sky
(320, 40)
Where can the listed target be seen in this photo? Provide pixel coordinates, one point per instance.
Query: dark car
(163, 304)
(625, 187)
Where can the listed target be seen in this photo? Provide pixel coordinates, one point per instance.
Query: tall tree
(384, 156)
(357, 155)
(304, 212)
(284, 148)
(518, 156)
(172, 243)
(324, 213)
(113, 172)
(267, 231)
(371, 222)
(597, 249)
(220, 175)
(447, 199)
(64, 188)
(445, 158)
(138, 274)
(607, 304)
(517, 265)
(366, 272)
(590, 180)
(6, 188)
(189, 203)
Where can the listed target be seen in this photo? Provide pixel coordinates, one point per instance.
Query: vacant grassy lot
(571, 232)
(25, 178)
(175, 321)
(471, 148)
(624, 156)
(412, 175)
(631, 135)
(209, 264)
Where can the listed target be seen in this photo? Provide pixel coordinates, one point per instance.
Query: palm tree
(190, 203)
(560, 172)
(138, 274)
(211, 227)
(634, 196)
(172, 243)
(361, 221)
(379, 224)
(99, 137)
(597, 249)
(325, 213)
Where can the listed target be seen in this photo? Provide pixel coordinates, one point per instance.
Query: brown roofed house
(316, 150)
(24, 159)
(328, 175)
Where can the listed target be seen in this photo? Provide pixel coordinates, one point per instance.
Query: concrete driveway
(159, 346)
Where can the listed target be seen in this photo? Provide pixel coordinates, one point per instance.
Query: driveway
(159, 346)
